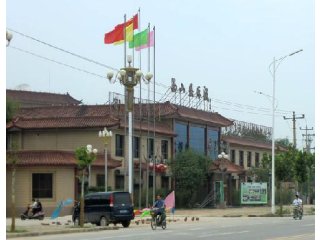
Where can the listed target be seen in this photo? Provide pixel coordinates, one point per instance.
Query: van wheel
(125, 224)
(76, 222)
(103, 222)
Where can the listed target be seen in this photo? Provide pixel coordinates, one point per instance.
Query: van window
(122, 198)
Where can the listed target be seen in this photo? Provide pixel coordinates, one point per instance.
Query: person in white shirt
(297, 201)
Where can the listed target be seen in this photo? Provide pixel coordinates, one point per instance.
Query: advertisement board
(254, 193)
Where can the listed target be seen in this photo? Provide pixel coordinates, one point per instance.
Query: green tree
(283, 142)
(189, 171)
(85, 157)
(12, 159)
(12, 108)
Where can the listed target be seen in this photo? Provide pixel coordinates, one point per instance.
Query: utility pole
(308, 140)
(294, 117)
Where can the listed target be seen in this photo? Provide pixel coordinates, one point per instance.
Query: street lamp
(222, 168)
(106, 136)
(8, 37)
(275, 63)
(129, 77)
(90, 152)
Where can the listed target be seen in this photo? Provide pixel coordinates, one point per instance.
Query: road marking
(220, 234)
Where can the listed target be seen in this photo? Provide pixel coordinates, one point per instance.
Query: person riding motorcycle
(297, 203)
(159, 206)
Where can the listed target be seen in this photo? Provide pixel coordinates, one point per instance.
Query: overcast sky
(226, 46)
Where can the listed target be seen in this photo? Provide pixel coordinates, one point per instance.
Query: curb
(71, 230)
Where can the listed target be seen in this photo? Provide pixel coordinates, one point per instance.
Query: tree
(262, 171)
(283, 142)
(189, 170)
(12, 108)
(85, 157)
(12, 158)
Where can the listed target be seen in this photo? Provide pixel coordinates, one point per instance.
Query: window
(249, 159)
(181, 140)
(165, 182)
(233, 156)
(42, 185)
(119, 145)
(150, 181)
(213, 143)
(136, 147)
(197, 139)
(164, 149)
(100, 180)
(119, 185)
(151, 147)
(241, 158)
(257, 159)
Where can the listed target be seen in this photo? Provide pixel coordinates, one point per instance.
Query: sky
(226, 46)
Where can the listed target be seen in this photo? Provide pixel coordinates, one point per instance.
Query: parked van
(103, 208)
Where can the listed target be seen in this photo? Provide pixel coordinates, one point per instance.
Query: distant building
(28, 99)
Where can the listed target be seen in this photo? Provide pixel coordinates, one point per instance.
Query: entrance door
(219, 191)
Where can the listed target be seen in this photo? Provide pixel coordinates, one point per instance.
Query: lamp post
(129, 77)
(90, 152)
(275, 63)
(8, 37)
(223, 168)
(106, 136)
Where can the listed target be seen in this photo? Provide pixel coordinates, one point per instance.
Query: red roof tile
(57, 158)
(225, 165)
(30, 98)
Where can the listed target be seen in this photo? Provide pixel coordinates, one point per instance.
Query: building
(44, 140)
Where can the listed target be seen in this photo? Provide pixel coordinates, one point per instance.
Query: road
(222, 228)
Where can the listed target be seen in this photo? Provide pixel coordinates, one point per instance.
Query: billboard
(254, 193)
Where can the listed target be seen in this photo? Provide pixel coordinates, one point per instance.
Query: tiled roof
(203, 116)
(57, 158)
(69, 122)
(225, 165)
(246, 142)
(41, 98)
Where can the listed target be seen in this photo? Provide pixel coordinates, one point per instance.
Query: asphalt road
(222, 228)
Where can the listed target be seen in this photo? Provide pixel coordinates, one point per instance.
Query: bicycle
(158, 220)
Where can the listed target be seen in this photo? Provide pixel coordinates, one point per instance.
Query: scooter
(37, 213)
(297, 212)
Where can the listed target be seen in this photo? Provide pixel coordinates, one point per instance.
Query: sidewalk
(64, 224)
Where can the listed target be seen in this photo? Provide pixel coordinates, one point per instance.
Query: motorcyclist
(297, 202)
(160, 207)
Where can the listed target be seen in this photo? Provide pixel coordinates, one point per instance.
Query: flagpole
(154, 111)
(124, 41)
(125, 103)
(148, 152)
(140, 105)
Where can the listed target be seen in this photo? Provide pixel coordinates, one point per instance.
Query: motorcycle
(37, 213)
(297, 212)
(158, 220)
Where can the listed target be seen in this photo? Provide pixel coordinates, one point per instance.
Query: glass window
(181, 139)
(119, 145)
(164, 149)
(151, 147)
(241, 158)
(233, 156)
(119, 184)
(136, 147)
(213, 143)
(249, 159)
(100, 180)
(257, 160)
(197, 139)
(42, 185)
(165, 182)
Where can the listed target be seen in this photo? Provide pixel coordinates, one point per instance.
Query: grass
(17, 231)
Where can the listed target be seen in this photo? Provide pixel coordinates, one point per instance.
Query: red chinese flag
(117, 33)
